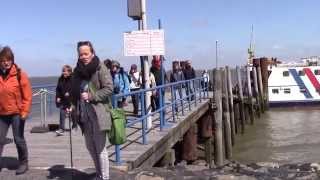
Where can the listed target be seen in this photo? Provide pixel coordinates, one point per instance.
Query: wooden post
(226, 114)
(218, 143)
(233, 131)
(236, 117)
(256, 91)
(251, 111)
(241, 103)
(209, 138)
(261, 93)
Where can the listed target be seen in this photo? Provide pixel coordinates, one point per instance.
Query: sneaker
(22, 168)
(60, 132)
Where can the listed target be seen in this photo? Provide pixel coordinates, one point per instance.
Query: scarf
(82, 72)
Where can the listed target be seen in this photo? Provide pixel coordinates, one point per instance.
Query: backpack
(19, 79)
(124, 73)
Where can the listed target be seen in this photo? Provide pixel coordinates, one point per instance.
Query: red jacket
(15, 98)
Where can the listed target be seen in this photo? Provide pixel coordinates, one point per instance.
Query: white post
(146, 68)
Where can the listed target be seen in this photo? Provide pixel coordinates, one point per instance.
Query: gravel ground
(198, 170)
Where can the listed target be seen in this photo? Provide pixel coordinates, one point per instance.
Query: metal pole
(162, 73)
(41, 108)
(45, 107)
(146, 70)
(217, 54)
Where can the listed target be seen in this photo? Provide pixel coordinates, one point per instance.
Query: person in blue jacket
(121, 82)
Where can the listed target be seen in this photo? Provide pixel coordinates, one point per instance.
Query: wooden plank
(256, 90)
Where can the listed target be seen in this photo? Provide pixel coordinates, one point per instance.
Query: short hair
(6, 53)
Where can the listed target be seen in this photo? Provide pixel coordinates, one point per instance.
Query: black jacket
(63, 91)
(189, 73)
(157, 75)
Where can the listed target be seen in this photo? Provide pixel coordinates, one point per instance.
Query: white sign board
(144, 43)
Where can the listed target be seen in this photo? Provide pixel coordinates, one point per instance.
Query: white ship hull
(294, 85)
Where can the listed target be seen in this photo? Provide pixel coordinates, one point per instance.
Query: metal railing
(195, 89)
(192, 92)
(43, 95)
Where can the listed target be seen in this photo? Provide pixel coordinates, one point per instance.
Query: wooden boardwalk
(47, 150)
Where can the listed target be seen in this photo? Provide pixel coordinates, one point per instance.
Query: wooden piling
(241, 99)
(231, 107)
(250, 100)
(218, 143)
(261, 92)
(226, 114)
(236, 117)
(256, 90)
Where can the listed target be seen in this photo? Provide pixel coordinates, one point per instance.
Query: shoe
(60, 132)
(22, 168)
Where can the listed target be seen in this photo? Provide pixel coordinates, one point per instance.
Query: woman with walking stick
(91, 93)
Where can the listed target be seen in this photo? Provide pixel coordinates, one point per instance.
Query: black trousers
(18, 135)
(135, 101)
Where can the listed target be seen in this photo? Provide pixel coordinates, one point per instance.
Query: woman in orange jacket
(15, 103)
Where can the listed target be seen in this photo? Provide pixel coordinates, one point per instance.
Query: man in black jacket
(189, 73)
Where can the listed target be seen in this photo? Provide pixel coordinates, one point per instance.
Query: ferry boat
(294, 83)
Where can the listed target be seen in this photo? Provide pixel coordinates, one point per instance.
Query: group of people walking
(83, 94)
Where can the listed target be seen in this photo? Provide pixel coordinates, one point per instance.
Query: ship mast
(251, 48)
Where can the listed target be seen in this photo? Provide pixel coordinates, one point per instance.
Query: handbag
(117, 134)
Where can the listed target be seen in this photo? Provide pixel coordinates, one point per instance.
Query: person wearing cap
(135, 85)
(121, 82)
(15, 104)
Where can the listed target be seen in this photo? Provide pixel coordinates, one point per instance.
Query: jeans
(178, 91)
(189, 91)
(18, 131)
(62, 118)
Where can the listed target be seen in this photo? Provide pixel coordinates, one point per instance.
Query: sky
(43, 33)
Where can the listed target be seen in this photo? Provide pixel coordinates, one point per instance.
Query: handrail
(193, 95)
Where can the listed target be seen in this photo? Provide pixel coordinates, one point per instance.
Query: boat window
(285, 73)
(287, 90)
(317, 72)
(275, 91)
(301, 73)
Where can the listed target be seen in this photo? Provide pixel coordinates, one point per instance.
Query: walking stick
(70, 141)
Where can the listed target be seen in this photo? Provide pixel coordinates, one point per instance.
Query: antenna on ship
(251, 48)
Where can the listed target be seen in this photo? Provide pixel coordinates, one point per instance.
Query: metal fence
(190, 92)
(196, 91)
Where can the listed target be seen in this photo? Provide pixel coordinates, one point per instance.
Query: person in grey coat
(91, 93)
(176, 76)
